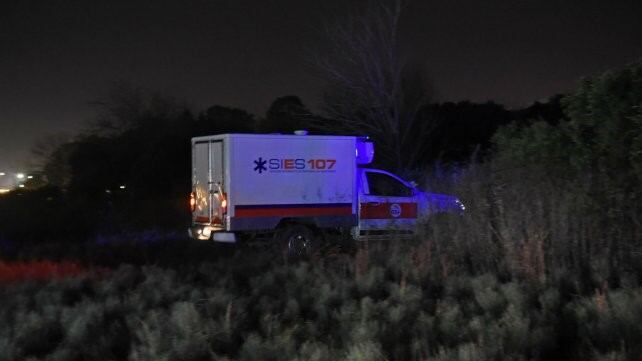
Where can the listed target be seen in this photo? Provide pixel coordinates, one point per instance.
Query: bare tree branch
(366, 78)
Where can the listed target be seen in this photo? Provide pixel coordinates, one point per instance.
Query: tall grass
(232, 309)
(524, 274)
(524, 223)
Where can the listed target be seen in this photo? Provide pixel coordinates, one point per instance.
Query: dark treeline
(131, 169)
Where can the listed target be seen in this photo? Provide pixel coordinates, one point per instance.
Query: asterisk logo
(260, 165)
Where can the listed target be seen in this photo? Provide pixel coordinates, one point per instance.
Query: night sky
(56, 56)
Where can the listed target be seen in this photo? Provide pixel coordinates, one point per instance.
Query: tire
(297, 242)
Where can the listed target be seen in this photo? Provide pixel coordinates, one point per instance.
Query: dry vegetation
(519, 276)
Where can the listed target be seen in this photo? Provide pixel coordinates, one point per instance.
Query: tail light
(192, 202)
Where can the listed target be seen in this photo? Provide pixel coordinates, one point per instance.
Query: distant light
(20, 175)
(4, 190)
(122, 187)
(107, 191)
(2, 173)
(21, 186)
(29, 177)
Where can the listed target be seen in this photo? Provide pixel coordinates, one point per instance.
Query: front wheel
(297, 242)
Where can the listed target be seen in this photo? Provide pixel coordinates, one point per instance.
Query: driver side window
(380, 184)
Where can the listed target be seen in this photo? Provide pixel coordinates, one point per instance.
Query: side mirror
(413, 184)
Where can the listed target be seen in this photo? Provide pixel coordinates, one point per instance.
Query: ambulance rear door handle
(374, 203)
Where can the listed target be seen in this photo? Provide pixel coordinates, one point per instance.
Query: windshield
(381, 184)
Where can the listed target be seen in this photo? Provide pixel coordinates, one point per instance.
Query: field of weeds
(529, 272)
(247, 304)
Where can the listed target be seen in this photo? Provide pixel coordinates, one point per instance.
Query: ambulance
(300, 187)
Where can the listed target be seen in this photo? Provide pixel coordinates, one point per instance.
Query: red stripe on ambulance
(292, 211)
(385, 211)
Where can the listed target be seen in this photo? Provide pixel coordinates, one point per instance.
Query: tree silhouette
(285, 115)
(371, 87)
(218, 119)
(51, 154)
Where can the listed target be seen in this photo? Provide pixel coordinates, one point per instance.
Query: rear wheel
(297, 242)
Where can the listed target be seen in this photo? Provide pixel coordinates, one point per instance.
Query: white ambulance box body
(266, 178)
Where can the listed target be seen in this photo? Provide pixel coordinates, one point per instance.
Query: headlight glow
(460, 204)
